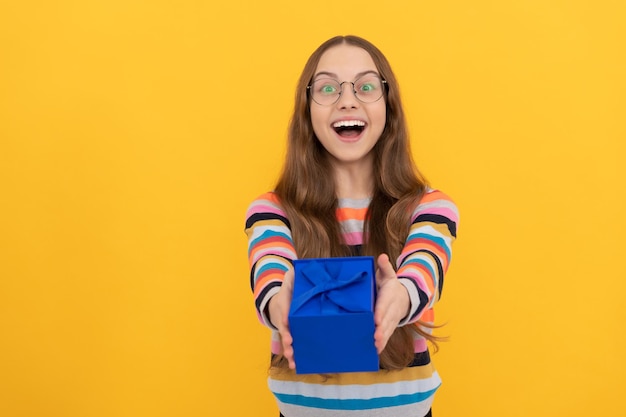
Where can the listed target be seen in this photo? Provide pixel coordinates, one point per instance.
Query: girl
(349, 187)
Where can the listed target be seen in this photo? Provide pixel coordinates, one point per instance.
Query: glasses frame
(383, 84)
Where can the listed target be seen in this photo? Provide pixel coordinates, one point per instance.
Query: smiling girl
(349, 187)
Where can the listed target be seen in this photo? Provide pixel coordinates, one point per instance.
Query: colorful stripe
(421, 267)
(352, 404)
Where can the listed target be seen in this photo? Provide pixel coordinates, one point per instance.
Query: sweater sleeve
(426, 255)
(270, 250)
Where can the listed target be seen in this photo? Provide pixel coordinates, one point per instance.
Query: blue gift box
(331, 318)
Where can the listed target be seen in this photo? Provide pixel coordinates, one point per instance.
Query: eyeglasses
(367, 89)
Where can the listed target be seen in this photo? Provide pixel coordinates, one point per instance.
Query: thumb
(384, 270)
(288, 280)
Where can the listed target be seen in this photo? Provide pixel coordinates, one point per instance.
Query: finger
(286, 292)
(288, 280)
(285, 334)
(380, 345)
(384, 323)
(381, 337)
(287, 343)
(385, 269)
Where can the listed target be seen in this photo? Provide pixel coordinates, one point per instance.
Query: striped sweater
(420, 268)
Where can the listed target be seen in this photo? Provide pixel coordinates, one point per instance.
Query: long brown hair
(307, 190)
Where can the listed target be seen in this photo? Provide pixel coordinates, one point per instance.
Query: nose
(347, 99)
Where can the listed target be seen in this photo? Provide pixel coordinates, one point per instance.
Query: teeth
(349, 123)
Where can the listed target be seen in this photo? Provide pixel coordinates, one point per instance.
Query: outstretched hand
(279, 316)
(392, 302)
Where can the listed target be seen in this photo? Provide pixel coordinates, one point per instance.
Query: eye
(367, 87)
(327, 89)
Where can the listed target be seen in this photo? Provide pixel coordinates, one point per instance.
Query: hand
(279, 316)
(392, 302)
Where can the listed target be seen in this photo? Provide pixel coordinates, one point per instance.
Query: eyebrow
(333, 75)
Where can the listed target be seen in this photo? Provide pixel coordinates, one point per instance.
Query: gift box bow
(330, 288)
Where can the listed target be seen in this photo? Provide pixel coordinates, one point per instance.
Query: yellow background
(133, 134)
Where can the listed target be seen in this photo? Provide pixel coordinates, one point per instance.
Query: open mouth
(349, 128)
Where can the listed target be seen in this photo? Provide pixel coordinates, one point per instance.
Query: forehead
(345, 61)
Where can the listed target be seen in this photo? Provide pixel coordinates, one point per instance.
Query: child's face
(349, 128)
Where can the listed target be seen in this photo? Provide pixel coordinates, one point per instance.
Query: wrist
(407, 306)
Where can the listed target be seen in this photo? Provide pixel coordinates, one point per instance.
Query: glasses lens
(368, 88)
(325, 91)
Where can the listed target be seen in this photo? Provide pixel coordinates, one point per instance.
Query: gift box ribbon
(327, 289)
